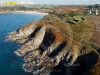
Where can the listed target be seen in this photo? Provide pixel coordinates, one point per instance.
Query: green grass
(91, 45)
(75, 19)
(81, 28)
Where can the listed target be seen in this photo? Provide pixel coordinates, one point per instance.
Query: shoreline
(5, 12)
(24, 12)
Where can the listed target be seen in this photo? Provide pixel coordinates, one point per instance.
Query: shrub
(72, 14)
(75, 19)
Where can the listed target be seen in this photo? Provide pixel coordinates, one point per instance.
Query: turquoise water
(10, 64)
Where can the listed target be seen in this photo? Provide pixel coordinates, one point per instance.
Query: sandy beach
(25, 12)
(5, 12)
(30, 12)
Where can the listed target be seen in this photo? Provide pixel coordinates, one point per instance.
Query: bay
(10, 64)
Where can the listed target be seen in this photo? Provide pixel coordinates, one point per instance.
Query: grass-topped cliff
(59, 44)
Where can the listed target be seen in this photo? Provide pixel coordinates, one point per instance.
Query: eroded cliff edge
(56, 44)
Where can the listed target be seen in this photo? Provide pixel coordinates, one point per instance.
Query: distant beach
(25, 12)
(4, 12)
(30, 12)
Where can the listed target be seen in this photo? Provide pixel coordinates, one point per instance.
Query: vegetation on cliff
(60, 38)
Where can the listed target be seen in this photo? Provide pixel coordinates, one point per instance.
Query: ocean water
(10, 63)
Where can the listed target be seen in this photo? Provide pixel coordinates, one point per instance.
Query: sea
(10, 63)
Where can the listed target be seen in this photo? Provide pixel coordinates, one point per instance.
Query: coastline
(24, 12)
(5, 12)
(30, 12)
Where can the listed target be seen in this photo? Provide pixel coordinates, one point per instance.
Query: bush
(75, 20)
(72, 14)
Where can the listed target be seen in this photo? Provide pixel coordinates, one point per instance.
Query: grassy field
(74, 24)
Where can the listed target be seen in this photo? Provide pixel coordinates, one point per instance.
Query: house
(93, 11)
(97, 12)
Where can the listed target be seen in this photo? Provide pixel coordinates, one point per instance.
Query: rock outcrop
(45, 48)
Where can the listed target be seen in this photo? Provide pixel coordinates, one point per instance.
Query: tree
(96, 6)
(90, 7)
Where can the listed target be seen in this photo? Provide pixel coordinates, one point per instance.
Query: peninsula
(64, 42)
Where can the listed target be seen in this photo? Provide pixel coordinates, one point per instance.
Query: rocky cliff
(53, 46)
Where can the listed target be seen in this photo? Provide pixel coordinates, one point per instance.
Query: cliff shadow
(80, 66)
(32, 35)
(57, 50)
(47, 41)
(85, 63)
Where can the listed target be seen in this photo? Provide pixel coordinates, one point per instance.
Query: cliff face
(47, 47)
